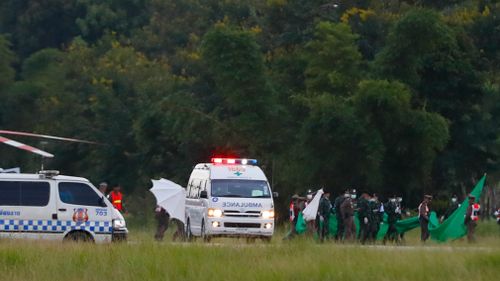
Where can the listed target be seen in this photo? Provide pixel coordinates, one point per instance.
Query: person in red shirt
(116, 198)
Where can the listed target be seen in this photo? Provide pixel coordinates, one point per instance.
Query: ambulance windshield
(240, 188)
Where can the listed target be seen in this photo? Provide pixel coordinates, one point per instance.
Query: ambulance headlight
(119, 224)
(268, 214)
(214, 213)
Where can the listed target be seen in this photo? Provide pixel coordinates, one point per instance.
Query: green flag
(453, 227)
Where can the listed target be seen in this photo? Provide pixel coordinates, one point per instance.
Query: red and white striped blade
(4, 132)
(25, 147)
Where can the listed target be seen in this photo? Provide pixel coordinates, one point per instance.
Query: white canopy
(171, 197)
(309, 213)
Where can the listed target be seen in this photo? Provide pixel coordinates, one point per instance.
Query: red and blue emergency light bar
(240, 161)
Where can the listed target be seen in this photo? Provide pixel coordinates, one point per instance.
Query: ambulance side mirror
(204, 194)
(276, 194)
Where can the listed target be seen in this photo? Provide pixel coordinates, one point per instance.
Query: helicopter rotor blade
(4, 132)
(23, 146)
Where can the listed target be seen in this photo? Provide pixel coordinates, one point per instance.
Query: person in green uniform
(391, 209)
(324, 210)
(376, 216)
(364, 217)
(338, 214)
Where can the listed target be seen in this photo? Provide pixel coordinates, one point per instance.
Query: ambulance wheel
(78, 236)
(204, 235)
(189, 234)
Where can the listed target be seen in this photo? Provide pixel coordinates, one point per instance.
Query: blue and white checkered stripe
(54, 226)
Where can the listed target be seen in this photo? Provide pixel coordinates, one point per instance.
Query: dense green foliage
(397, 97)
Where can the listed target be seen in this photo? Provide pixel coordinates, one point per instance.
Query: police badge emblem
(80, 215)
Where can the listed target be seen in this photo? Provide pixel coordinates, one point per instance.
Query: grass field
(225, 259)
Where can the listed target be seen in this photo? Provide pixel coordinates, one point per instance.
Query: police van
(229, 198)
(55, 207)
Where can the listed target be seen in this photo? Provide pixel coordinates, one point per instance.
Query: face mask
(372, 200)
(400, 199)
(346, 195)
(453, 200)
(309, 196)
(393, 200)
(353, 196)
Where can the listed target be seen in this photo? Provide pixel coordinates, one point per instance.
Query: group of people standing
(470, 219)
(369, 212)
(368, 209)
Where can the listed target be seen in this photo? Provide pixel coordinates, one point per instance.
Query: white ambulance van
(54, 207)
(229, 198)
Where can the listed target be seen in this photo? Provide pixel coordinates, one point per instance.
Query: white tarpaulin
(171, 197)
(311, 210)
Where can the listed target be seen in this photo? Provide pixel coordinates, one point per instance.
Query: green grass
(228, 259)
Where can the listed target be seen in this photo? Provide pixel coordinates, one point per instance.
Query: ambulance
(55, 207)
(229, 197)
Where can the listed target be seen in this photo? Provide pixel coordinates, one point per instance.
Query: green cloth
(383, 228)
(453, 227)
(301, 225)
(408, 224)
(405, 225)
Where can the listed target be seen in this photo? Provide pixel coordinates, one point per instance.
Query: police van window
(78, 194)
(35, 194)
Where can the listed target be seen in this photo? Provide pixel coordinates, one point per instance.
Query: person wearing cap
(471, 217)
(338, 215)
(376, 216)
(423, 217)
(364, 217)
(347, 210)
(392, 217)
(324, 210)
(103, 188)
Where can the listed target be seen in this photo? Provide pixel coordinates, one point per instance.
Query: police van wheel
(204, 235)
(78, 236)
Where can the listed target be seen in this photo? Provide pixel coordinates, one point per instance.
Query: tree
(411, 137)
(7, 58)
(35, 25)
(333, 60)
(246, 101)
